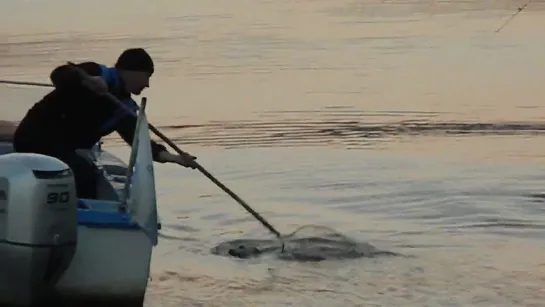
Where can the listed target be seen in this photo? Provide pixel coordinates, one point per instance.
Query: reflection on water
(465, 225)
(442, 115)
(330, 128)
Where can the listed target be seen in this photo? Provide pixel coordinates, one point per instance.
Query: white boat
(117, 232)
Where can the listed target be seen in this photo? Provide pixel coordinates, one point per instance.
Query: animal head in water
(242, 248)
(244, 252)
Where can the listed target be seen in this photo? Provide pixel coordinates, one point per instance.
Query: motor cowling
(38, 226)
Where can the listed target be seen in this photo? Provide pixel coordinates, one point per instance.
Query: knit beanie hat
(135, 59)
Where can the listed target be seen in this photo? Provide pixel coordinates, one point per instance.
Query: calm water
(411, 125)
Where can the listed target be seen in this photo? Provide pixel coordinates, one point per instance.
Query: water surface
(410, 125)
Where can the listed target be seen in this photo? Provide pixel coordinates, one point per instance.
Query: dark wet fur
(303, 249)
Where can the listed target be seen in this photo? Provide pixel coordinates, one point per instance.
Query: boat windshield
(15, 102)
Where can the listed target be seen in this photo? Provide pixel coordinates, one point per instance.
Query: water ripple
(343, 132)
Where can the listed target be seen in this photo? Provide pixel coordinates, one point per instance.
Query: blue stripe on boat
(90, 215)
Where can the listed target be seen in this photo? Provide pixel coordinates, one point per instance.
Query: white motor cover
(38, 197)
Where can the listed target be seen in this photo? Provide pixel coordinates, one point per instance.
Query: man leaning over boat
(75, 116)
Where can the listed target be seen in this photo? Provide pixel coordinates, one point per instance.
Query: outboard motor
(38, 226)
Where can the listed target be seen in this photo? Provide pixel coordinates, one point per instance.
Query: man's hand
(185, 159)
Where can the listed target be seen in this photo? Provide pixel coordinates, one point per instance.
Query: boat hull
(111, 265)
(110, 268)
(113, 254)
